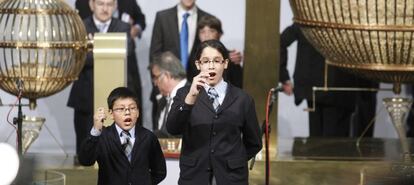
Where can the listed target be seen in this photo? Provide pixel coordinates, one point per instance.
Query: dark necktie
(184, 41)
(166, 108)
(213, 96)
(126, 144)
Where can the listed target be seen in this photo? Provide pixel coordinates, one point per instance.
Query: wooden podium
(110, 69)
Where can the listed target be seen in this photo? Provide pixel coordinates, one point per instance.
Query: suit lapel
(230, 97)
(204, 99)
(174, 25)
(112, 27)
(115, 137)
(139, 138)
(90, 25)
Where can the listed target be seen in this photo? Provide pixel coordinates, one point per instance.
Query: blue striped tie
(126, 144)
(184, 41)
(213, 96)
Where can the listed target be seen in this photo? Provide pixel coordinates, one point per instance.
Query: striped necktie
(126, 143)
(213, 96)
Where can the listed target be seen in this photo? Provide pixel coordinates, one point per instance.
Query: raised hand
(198, 82)
(99, 118)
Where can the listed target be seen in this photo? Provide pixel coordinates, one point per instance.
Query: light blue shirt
(220, 88)
(95, 132)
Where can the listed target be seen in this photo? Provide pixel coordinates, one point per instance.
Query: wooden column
(110, 69)
(261, 60)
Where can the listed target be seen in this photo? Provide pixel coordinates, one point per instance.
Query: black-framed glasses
(125, 109)
(216, 61)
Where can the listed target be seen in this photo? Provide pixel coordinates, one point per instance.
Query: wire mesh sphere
(373, 38)
(43, 43)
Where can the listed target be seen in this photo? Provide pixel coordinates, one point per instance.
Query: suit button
(212, 151)
(216, 116)
(209, 169)
(214, 133)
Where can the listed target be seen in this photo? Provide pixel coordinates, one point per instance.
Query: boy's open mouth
(212, 74)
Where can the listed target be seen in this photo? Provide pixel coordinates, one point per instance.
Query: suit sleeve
(287, 37)
(156, 39)
(251, 131)
(138, 16)
(157, 164)
(179, 115)
(89, 150)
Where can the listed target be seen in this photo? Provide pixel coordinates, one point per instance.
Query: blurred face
(160, 79)
(187, 4)
(212, 61)
(208, 33)
(102, 9)
(125, 113)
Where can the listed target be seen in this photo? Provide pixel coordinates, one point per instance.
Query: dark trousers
(329, 121)
(83, 125)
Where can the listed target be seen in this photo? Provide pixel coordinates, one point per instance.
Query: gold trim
(42, 79)
(40, 11)
(374, 67)
(48, 44)
(366, 27)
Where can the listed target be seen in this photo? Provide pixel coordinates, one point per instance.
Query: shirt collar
(98, 22)
(181, 10)
(119, 130)
(220, 87)
(178, 86)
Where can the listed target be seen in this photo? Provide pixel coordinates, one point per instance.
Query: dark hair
(210, 21)
(216, 44)
(120, 93)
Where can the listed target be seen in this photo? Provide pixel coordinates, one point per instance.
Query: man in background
(127, 11)
(169, 76)
(81, 94)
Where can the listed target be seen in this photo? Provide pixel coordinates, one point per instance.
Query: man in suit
(81, 94)
(169, 76)
(167, 35)
(127, 11)
(126, 153)
(218, 123)
(333, 109)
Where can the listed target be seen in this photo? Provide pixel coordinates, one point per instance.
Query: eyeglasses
(124, 109)
(216, 61)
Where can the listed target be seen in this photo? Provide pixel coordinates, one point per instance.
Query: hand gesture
(198, 82)
(235, 56)
(287, 88)
(99, 118)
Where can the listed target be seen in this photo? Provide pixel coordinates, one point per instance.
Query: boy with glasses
(126, 153)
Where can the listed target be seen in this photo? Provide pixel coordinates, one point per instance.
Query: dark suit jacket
(221, 142)
(147, 166)
(124, 6)
(81, 94)
(165, 35)
(309, 72)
